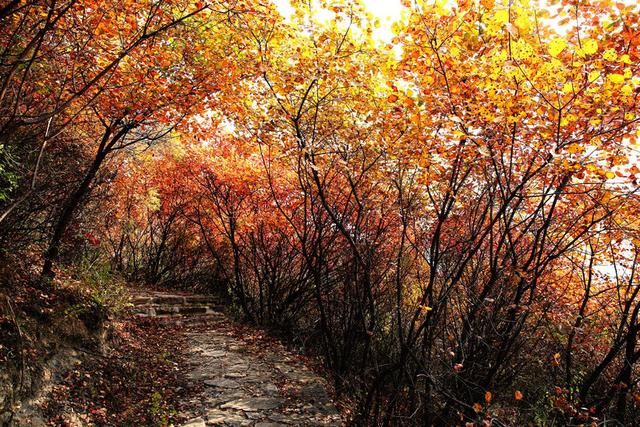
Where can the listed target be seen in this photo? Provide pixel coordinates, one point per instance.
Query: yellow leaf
(589, 46)
(443, 7)
(616, 78)
(626, 90)
(610, 55)
(629, 116)
(625, 59)
(575, 149)
(610, 175)
(593, 76)
(556, 46)
(501, 16)
(521, 50)
(522, 22)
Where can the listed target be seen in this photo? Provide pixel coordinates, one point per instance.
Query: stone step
(194, 319)
(177, 309)
(162, 299)
(157, 310)
(140, 299)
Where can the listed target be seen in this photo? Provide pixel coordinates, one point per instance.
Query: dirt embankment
(41, 335)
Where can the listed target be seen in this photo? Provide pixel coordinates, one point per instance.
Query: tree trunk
(72, 202)
(66, 215)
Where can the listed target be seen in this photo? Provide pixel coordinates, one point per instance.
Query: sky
(384, 8)
(387, 11)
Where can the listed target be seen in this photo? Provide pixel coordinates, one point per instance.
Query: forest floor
(176, 366)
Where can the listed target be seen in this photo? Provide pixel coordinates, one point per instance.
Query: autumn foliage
(449, 219)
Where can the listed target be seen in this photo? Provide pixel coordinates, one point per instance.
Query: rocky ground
(247, 386)
(244, 379)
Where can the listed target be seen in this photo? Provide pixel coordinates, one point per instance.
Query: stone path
(247, 385)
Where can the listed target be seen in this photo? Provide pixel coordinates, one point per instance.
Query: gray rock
(254, 404)
(285, 419)
(270, 388)
(222, 383)
(218, 417)
(196, 422)
(224, 397)
(253, 415)
(215, 354)
(235, 375)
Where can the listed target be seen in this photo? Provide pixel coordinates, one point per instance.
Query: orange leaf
(488, 396)
(488, 4)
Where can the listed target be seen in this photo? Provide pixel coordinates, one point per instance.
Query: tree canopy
(450, 218)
